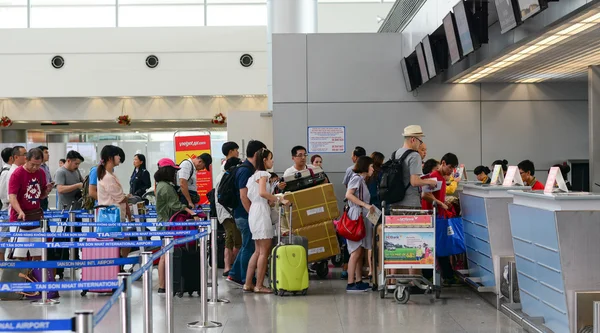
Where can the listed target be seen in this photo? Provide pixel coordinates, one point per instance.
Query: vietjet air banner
(190, 147)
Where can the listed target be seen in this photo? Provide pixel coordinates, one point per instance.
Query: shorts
(233, 237)
(22, 253)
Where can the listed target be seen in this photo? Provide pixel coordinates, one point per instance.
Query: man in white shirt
(299, 156)
(187, 178)
(17, 158)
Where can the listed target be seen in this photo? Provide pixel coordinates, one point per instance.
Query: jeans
(240, 265)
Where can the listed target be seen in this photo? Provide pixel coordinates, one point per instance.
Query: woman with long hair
(359, 200)
(139, 182)
(373, 184)
(259, 219)
(317, 161)
(167, 204)
(110, 191)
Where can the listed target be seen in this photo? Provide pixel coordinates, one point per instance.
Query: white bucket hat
(413, 131)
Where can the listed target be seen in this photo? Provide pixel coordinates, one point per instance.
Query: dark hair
(253, 147)
(121, 154)
(362, 164)
(229, 146)
(65, 161)
(17, 150)
(165, 174)
(42, 148)
(314, 157)
(142, 159)
(450, 159)
(482, 168)
(35, 154)
(274, 175)
(7, 153)
(232, 162)
(359, 151)
(503, 163)
(108, 153)
(429, 165)
(564, 168)
(72, 155)
(260, 155)
(527, 165)
(378, 159)
(296, 149)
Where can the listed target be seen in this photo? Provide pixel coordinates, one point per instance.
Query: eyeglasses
(301, 155)
(420, 141)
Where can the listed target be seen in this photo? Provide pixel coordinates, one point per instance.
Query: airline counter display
(555, 240)
(487, 235)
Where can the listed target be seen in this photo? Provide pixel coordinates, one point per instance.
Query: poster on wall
(326, 139)
(191, 146)
(409, 248)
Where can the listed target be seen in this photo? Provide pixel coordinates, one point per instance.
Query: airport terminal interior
(430, 166)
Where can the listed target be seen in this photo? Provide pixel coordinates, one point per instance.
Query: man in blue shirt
(237, 274)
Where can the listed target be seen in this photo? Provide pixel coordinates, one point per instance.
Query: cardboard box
(322, 241)
(313, 205)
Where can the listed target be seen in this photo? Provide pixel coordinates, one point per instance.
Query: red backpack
(183, 216)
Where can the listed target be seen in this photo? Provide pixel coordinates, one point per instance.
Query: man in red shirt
(527, 171)
(26, 188)
(447, 165)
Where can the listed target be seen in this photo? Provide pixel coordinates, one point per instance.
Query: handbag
(35, 275)
(353, 230)
(33, 215)
(15, 275)
(449, 237)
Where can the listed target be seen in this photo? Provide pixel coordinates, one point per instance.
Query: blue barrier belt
(98, 234)
(36, 325)
(104, 310)
(129, 224)
(61, 285)
(70, 263)
(69, 245)
(19, 224)
(85, 216)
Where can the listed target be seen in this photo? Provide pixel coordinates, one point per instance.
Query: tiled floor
(326, 309)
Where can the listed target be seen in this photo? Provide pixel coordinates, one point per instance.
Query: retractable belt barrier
(128, 224)
(100, 235)
(36, 325)
(68, 245)
(70, 263)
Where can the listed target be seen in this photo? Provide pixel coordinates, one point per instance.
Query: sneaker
(161, 290)
(235, 281)
(344, 275)
(226, 274)
(354, 289)
(364, 286)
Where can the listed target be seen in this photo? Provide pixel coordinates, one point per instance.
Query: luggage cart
(408, 242)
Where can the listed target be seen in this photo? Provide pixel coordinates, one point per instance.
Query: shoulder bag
(353, 230)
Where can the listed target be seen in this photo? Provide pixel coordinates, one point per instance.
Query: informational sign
(326, 139)
(513, 177)
(555, 177)
(409, 221)
(497, 175)
(191, 147)
(413, 247)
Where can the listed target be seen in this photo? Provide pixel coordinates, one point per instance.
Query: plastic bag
(110, 214)
(449, 237)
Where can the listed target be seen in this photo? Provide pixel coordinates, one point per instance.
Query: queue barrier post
(596, 319)
(213, 257)
(169, 284)
(72, 218)
(147, 293)
(125, 303)
(204, 322)
(84, 321)
(44, 300)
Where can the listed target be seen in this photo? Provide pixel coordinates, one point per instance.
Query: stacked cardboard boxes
(313, 212)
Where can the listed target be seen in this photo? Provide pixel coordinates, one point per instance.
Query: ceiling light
(218, 96)
(188, 96)
(592, 19)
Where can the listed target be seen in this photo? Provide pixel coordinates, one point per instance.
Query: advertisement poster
(409, 248)
(326, 139)
(191, 147)
(409, 221)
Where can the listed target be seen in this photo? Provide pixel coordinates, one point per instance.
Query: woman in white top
(110, 191)
(259, 219)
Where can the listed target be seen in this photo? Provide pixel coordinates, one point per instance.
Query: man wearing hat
(188, 194)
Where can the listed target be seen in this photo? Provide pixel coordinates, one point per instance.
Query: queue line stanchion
(147, 293)
(169, 284)
(44, 300)
(204, 322)
(125, 303)
(72, 218)
(213, 257)
(84, 321)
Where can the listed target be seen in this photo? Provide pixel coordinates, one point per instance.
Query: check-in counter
(557, 250)
(487, 233)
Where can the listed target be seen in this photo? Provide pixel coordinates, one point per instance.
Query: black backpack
(213, 205)
(227, 191)
(392, 187)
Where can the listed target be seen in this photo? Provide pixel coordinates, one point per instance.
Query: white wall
(351, 17)
(111, 62)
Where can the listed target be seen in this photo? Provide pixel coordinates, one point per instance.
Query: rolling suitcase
(186, 271)
(288, 266)
(304, 179)
(99, 273)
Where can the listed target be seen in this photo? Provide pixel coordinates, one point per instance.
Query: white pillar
(594, 123)
(291, 17)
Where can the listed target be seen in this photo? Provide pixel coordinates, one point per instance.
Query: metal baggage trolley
(408, 242)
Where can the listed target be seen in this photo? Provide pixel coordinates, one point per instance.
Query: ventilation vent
(400, 15)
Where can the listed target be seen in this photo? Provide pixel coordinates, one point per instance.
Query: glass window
(161, 2)
(236, 1)
(71, 2)
(161, 16)
(236, 15)
(73, 17)
(13, 17)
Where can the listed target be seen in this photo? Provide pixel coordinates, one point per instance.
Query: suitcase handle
(281, 212)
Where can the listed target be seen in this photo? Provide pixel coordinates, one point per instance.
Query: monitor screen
(406, 75)
(429, 57)
(506, 15)
(528, 8)
(450, 30)
(422, 63)
(464, 28)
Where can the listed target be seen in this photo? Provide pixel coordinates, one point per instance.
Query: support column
(594, 123)
(288, 17)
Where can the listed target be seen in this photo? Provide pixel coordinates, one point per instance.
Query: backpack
(193, 169)
(87, 202)
(213, 204)
(391, 186)
(227, 191)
